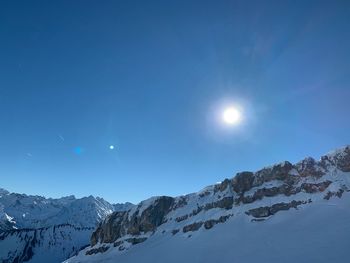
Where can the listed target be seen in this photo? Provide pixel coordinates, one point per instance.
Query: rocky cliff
(257, 196)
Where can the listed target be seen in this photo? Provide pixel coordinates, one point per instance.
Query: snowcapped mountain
(37, 211)
(282, 213)
(35, 229)
(6, 222)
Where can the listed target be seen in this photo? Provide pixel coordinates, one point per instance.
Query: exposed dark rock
(205, 193)
(151, 217)
(111, 229)
(284, 189)
(339, 193)
(97, 250)
(259, 212)
(222, 186)
(313, 188)
(225, 202)
(181, 218)
(271, 210)
(192, 227)
(343, 160)
(135, 240)
(340, 159)
(243, 182)
(175, 231)
(117, 243)
(276, 172)
(181, 202)
(119, 224)
(330, 194)
(308, 167)
(210, 223)
(196, 211)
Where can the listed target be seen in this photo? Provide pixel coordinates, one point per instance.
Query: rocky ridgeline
(257, 195)
(39, 229)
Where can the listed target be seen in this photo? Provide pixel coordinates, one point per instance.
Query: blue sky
(150, 78)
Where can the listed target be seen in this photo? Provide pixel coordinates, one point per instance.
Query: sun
(231, 116)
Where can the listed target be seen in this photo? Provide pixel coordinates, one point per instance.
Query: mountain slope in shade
(50, 244)
(282, 213)
(6, 222)
(36, 211)
(38, 229)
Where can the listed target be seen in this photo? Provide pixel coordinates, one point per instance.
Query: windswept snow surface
(319, 232)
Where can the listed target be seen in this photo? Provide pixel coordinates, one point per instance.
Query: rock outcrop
(271, 210)
(256, 195)
(133, 223)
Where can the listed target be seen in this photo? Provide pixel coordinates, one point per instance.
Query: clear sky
(151, 78)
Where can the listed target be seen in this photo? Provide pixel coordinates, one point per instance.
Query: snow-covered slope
(50, 244)
(282, 213)
(37, 211)
(6, 222)
(34, 228)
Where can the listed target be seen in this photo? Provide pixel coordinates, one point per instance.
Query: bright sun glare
(231, 116)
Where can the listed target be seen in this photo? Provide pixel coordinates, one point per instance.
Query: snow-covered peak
(39, 229)
(36, 211)
(3, 192)
(341, 151)
(339, 158)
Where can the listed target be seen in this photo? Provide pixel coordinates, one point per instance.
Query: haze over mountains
(282, 213)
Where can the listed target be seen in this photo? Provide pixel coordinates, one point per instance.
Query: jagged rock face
(111, 229)
(256, 195)
(276, 172)
(340, 158)
(119, 223)
(152, 216)
(308, 167)
(38, 212)
(243, 182)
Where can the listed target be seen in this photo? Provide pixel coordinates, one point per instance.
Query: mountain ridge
(257, 196)
(52, 230)
(39, 229)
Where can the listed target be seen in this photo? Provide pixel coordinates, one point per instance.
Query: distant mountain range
(282, 213)
(37, 229)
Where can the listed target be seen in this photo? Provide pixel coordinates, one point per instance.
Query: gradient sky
(150, 78)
